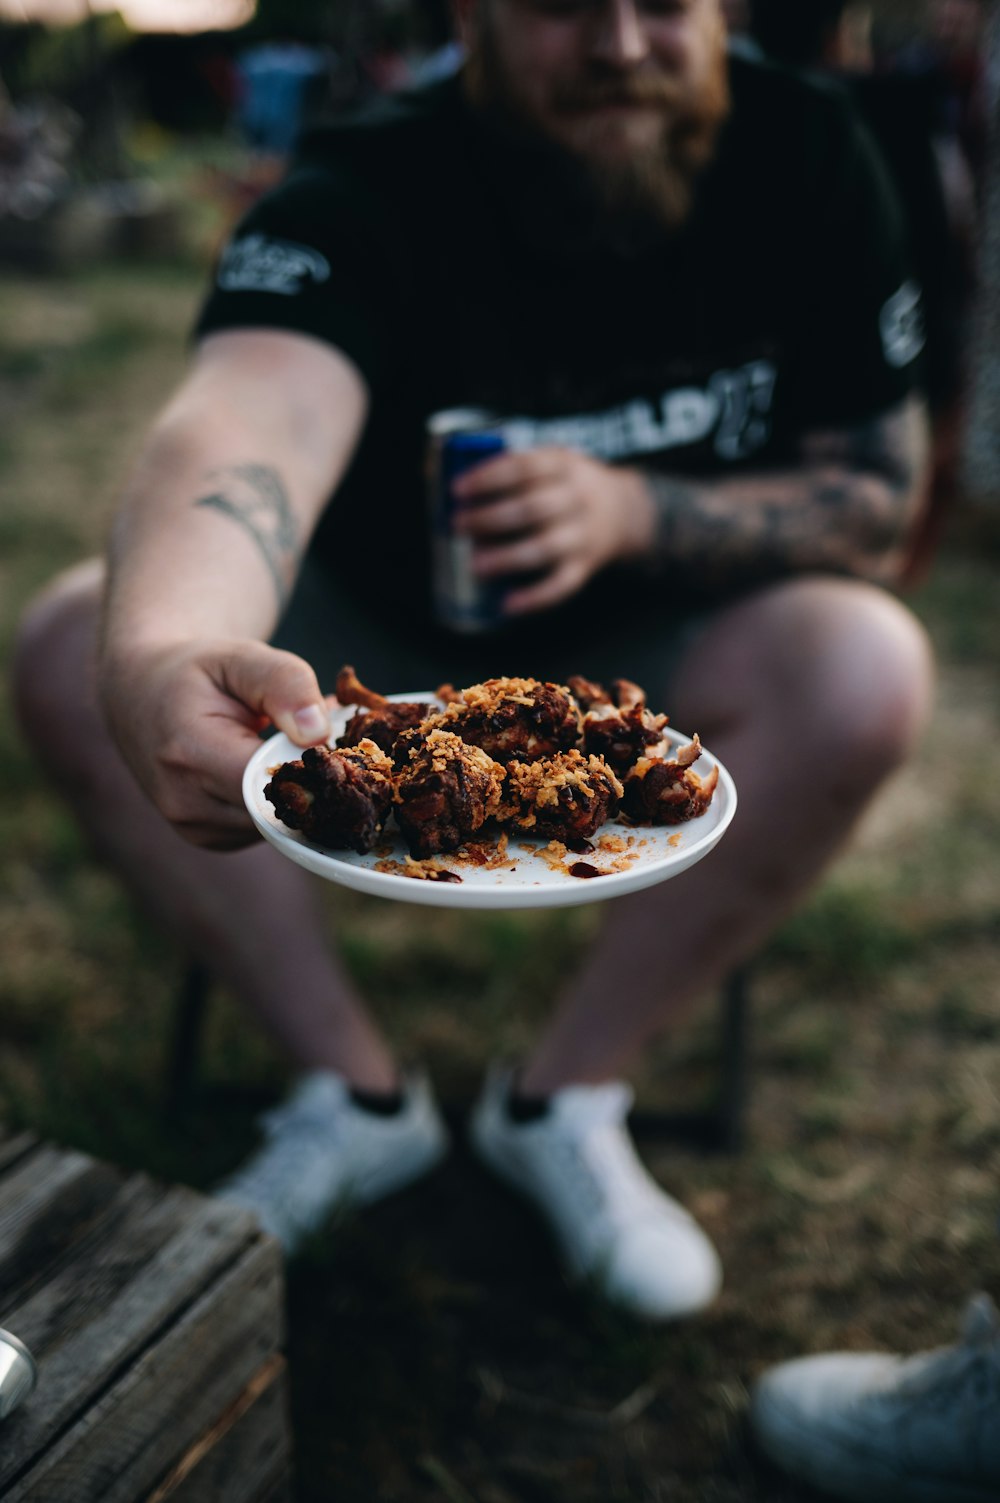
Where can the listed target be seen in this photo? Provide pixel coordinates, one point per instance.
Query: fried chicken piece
(567, 797)
(339, 799)
(618, 725)
(513, 718)
(445, 791)
(586, 692)
(661, 792)
(380, 720)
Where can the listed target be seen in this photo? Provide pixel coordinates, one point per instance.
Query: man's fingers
(532, 508)
(199, 770)
(525, 555)
(563, 582)
(222, 764)
(218, 835)
(508, 472)
(281, 686)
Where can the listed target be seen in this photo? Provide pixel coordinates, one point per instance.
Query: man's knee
(52, 662)
(834, 668)
(865, 671)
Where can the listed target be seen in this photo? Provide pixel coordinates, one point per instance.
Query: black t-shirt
(414, 240)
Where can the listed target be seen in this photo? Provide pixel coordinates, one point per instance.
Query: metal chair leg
(189, 1018)
(721, 1126)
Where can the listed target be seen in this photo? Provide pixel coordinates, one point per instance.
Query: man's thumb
(283, 688)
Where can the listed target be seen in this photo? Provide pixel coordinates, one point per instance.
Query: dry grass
(436, 1352)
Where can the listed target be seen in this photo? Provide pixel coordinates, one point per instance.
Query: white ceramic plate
(527, 879)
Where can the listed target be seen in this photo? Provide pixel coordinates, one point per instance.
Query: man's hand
(552, 512)
(187, 718)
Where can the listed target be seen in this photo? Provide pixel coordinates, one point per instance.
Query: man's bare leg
(811, 693)
(251, 917)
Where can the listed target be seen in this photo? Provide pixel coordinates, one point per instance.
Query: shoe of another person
(325, 1153)
(615, 1227)
(881, 1429)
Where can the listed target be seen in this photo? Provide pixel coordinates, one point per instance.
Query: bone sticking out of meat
(379, 719)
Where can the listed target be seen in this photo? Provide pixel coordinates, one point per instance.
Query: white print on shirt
(902, 325)
(735, 406)
(256, 263)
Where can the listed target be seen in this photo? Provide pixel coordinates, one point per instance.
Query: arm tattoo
(847, 507)
(254, 497)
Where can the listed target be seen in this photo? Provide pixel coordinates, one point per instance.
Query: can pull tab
(18, 1373)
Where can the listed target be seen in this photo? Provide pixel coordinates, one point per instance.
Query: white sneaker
(614, 1225)
(879, 1429)
(325, 1153)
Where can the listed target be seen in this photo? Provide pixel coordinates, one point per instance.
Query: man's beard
(648, 189)
(656, 180)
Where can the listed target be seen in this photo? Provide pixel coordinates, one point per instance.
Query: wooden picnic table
(156, 1317)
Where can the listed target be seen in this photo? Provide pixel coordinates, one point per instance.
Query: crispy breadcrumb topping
(371, 756)
(541, 782)
(493, 692)
(428, 870)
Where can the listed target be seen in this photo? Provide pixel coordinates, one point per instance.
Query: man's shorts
(638, 638)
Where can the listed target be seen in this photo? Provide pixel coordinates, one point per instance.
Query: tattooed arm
(254, 497)
(847, 505)
(848, 508)
(203, 554)
(230, 485)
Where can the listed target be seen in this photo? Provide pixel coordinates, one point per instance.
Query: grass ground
(436, 1352)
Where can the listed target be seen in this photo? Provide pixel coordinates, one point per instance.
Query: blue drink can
(458, 441)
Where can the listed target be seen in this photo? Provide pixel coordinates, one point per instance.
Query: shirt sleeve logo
(901, 323)
(258, 263)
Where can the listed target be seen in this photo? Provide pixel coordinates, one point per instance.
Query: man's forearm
(824, 518)
(227, 491)
(848, 508)
(207, 542)
(254, 496)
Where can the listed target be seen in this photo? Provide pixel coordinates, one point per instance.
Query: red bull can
(456, 442)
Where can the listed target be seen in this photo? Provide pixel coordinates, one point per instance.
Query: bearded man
(678, 283)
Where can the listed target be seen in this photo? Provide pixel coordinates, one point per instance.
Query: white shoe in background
(882, 1429)
(614, 1225)
(324, 1153)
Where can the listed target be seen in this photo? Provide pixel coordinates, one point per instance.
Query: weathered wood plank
(14, 1146)
(48, 1200)
(110, 1222)
(245, 1454)
(150, 1258)
(48, 1169)
(134, 1435)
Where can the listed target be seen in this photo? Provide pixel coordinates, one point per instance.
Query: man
(680, 285)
